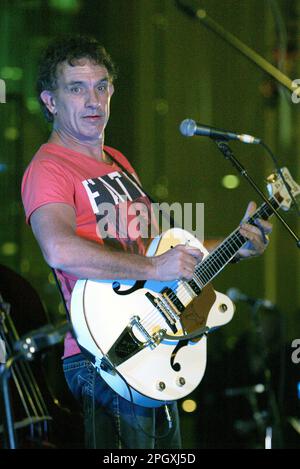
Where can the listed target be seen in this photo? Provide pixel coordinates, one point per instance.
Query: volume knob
(161, 386)
(180, 381)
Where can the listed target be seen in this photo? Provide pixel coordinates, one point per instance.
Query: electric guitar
(131, 329)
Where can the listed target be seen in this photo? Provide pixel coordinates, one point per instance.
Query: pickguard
(194, 317)
(196, 313)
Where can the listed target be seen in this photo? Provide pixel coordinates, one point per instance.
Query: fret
(224, 253)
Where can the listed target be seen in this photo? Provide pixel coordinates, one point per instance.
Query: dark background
(171, 68)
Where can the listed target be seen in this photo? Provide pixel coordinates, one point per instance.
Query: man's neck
(93, 150)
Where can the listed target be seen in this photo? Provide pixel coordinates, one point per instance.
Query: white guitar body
(146, 372)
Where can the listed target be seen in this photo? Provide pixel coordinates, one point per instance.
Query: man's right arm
(54, 226)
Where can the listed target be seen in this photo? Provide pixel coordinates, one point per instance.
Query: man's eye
(102, 88)
(76, 89)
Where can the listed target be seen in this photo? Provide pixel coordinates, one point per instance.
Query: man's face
(82, 100)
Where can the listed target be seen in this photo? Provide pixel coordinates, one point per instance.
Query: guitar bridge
(164, 308)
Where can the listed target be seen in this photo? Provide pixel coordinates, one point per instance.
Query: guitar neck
(215, 262)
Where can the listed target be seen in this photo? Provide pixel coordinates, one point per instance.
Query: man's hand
(257, 235)
(177, 263)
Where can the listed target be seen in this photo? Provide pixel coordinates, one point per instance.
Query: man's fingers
(265, 225)
(250, 210)
(252, 233)
(195, 252)
(243, 252)
(247, 228)
(256, 234)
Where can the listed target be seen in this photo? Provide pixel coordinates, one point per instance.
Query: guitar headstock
(277, 189)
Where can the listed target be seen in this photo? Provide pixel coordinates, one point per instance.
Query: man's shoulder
(47, 151)
(42, 155)
(46, 160)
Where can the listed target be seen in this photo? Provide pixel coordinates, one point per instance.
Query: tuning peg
(272, 178)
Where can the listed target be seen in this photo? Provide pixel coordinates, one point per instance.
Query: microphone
(189, 128)
(236, 295)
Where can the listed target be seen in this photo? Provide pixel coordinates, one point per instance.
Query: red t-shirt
(59, 175)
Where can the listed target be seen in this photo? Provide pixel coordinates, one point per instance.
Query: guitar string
(210, 265)
(210, 261)
(181, 285)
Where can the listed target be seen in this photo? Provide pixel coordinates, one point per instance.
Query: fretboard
(225, 252)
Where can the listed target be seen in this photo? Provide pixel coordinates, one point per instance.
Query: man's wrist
(152, 268)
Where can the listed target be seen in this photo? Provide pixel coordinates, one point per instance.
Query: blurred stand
(20, 349)
(248, 398)
(263, 349)
(36, 414)
(32, 415)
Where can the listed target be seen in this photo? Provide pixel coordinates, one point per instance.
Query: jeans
(112, 422)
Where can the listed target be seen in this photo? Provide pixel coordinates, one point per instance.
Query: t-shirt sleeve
(45, 182)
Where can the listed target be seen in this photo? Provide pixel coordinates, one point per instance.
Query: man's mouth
(92, 117)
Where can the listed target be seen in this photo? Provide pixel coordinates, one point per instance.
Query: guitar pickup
(173, 299)
(165, 310)
(196, 289)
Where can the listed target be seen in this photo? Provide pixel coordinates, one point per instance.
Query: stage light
(230, 181)
(51, 279)
(25, 266)
(9, 249)
(32, 104)
(61, 309)
(11, 73)
(65, 6)
(189, 405)
(11, 133)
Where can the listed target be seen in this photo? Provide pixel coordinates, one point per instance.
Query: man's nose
(93, 99)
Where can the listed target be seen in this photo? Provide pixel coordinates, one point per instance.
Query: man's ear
(112, 89)
(49, 101)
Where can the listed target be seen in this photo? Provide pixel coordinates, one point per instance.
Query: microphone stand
(228, 154)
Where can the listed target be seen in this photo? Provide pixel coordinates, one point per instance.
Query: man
(59, 190)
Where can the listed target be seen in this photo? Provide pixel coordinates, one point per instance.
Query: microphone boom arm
(240, 46)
